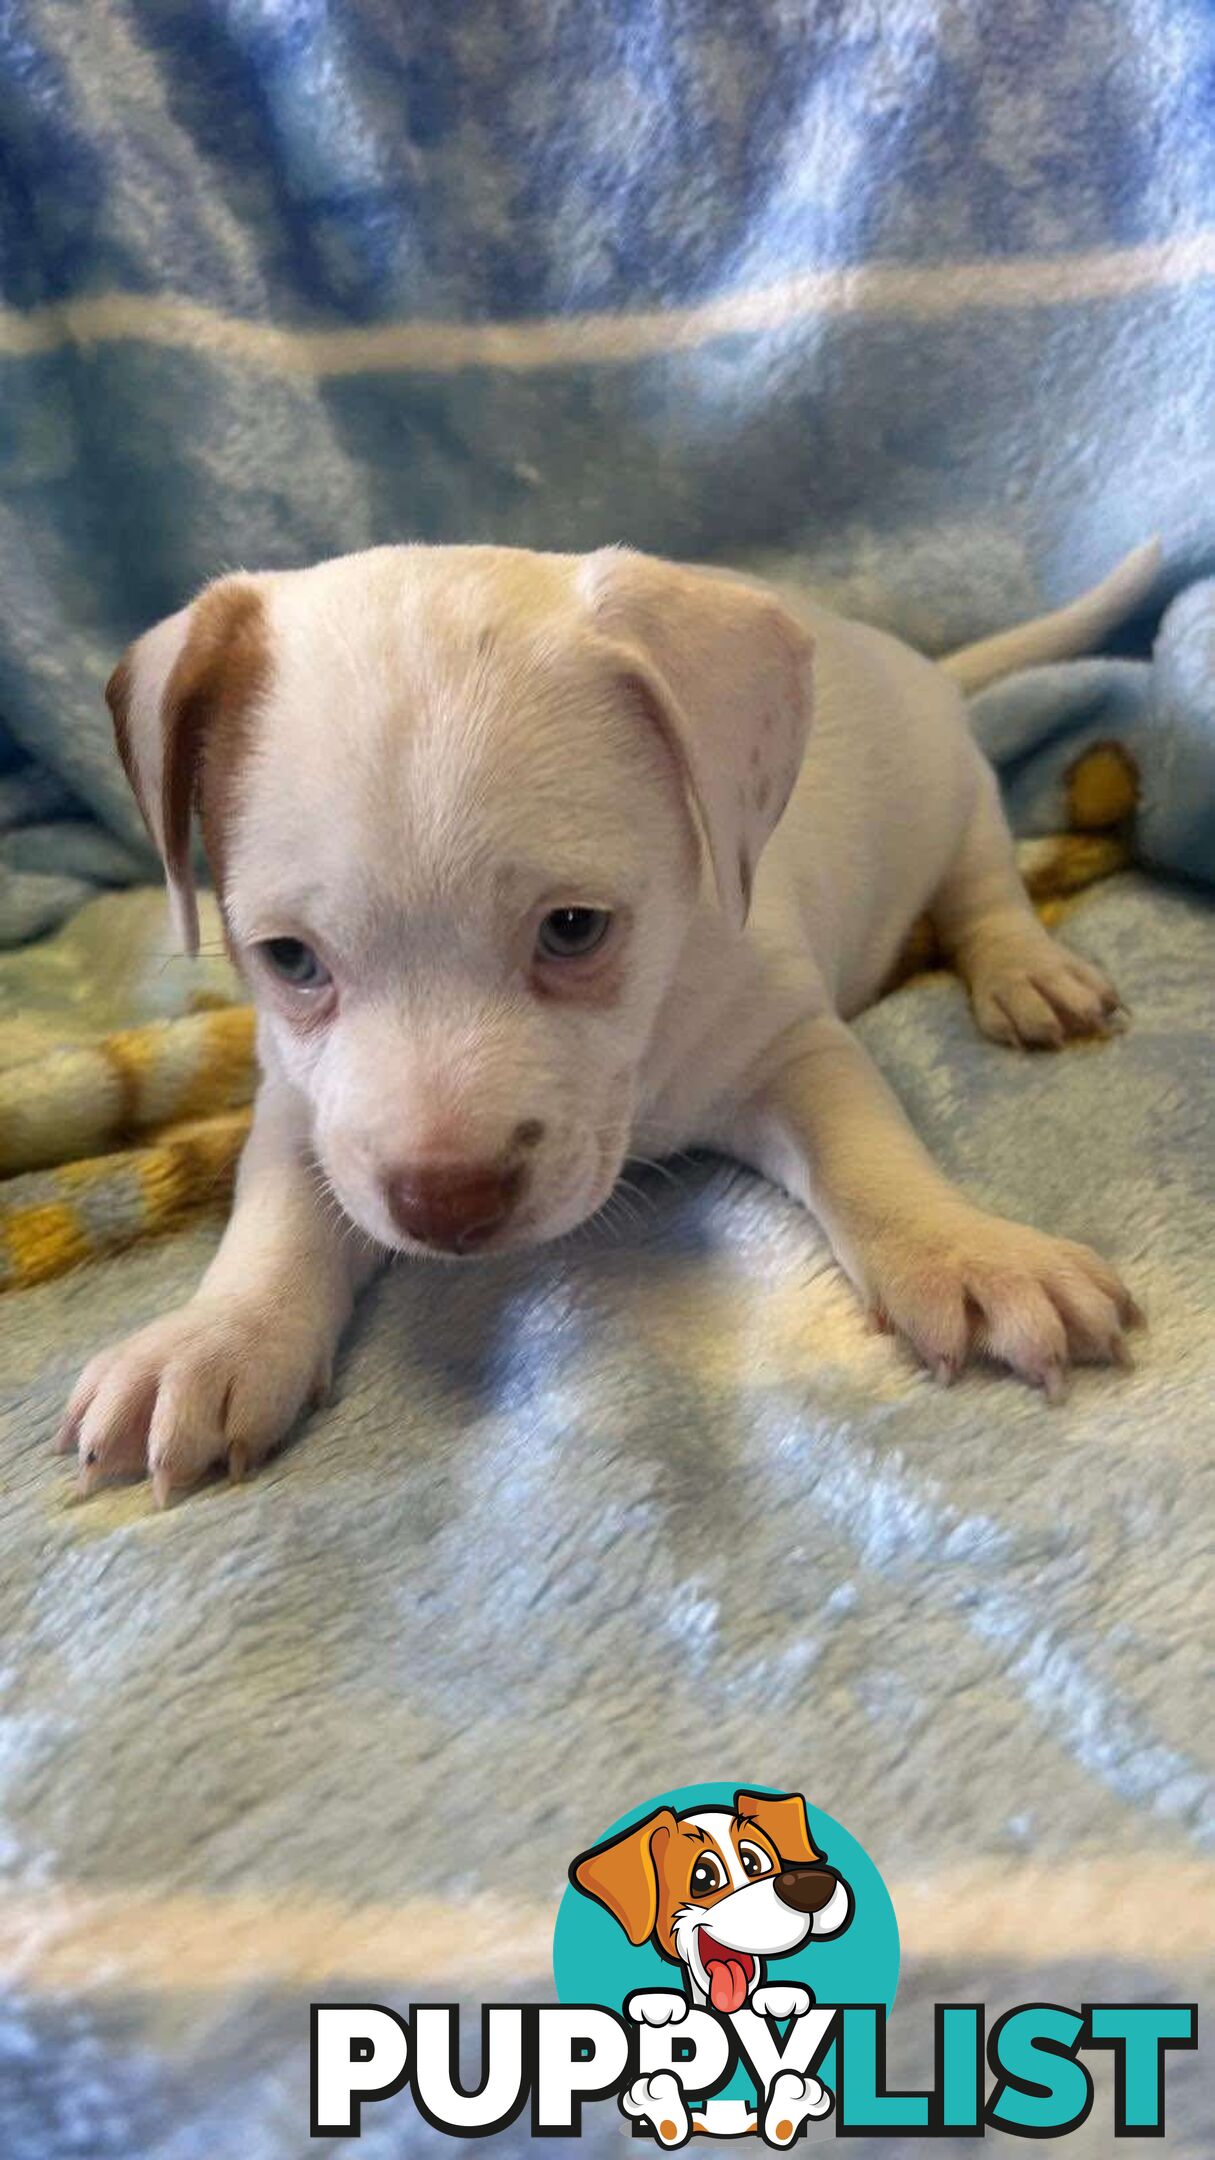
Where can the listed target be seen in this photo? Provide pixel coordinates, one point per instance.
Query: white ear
(171, 692)
(728, 671)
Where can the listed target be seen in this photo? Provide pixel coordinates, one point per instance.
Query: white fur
(792, 2101)
(454, 740)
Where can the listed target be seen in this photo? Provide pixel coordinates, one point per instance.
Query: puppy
(718, 1890)
(531, 861)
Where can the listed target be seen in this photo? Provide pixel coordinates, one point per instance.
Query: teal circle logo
(795, 1897)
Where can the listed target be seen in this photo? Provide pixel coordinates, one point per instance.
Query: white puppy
(531, 861)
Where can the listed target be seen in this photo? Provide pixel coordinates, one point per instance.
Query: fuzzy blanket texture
(915, 303)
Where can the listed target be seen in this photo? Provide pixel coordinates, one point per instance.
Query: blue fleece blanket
(920, 296)
(915, 297)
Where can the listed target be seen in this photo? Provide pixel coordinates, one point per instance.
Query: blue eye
(571, 933)
(294, 963)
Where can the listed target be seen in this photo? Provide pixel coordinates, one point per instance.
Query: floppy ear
(173, 697)
(726, 673)
(782, 1817)
(623, 1874)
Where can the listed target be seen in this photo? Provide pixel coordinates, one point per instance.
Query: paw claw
(238, 1463)
(1054, 1385)
(162, 1487)
(67, 1437)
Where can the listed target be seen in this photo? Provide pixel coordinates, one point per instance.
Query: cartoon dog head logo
(719, 1890)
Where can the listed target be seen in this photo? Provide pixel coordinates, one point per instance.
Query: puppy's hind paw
(659, 2101)
(793, 2101)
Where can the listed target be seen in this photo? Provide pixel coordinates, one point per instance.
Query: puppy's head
(718, 1890)
(459, 805)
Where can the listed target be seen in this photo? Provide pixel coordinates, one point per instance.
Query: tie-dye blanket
(916, 303)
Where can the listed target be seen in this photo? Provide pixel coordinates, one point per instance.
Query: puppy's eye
(294, 963)
(572, 933)
(754, 1861)
(708, 1874)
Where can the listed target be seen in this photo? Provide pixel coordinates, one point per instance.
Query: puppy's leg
(223, 1379)
(1025, 988)
(950, 1276)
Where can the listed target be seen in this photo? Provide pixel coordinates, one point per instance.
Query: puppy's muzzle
(453, 1207)
(806, 1889)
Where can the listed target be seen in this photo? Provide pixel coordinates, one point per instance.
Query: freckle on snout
(530, 1133)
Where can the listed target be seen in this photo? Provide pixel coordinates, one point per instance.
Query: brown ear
(623, 1874)
(782, 1818)
(726, 673)
(181, 699)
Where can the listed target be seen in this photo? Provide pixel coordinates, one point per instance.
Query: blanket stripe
(55, 1220)
(81, 1941)
(923, 291)
(81, 1101)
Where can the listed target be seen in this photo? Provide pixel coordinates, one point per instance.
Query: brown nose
(452, 1206)
(806, 1889)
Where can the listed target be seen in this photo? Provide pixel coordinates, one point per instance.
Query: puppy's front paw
(1035, 995)
(210, 1385)
(972, 1282)
(657, 2006)
(781, 1999)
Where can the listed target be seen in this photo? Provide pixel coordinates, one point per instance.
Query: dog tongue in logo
(728, 1972)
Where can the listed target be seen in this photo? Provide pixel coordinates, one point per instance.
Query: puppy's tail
(1071, 630)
